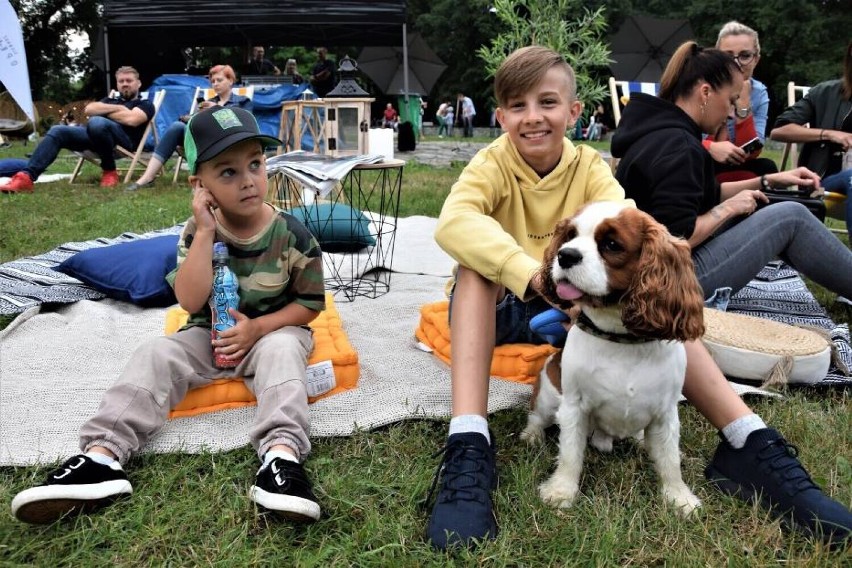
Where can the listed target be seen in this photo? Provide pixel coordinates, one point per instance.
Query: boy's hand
(237, 341)
(203, 204)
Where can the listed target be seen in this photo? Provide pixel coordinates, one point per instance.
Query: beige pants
(163, 369)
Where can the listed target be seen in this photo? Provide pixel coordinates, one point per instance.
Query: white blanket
(54, 367)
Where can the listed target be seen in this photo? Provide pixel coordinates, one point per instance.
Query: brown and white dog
(624, 361)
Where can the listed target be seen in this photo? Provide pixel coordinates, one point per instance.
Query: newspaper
(317, 172)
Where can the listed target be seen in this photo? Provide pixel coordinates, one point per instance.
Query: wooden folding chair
(205, 94)
(622, 89)
(835, 203)
(135, 156)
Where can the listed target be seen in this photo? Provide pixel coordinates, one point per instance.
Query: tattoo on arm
(716, 212)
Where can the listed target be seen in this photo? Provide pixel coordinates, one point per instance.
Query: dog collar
(584, 323)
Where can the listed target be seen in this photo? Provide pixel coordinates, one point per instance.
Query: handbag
(815, 205)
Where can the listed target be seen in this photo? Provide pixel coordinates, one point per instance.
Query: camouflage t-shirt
(279, 265)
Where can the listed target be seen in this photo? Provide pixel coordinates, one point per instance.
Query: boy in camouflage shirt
(279, 267)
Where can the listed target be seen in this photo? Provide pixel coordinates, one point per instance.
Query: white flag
(13, 59)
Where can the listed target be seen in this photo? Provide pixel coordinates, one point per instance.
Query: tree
(46, 26)
(550, 23)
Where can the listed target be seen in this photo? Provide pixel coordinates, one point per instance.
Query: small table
(370, 188)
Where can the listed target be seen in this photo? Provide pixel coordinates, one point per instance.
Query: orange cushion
(520, 362)
(331, 344)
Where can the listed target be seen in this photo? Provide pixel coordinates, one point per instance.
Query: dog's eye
(610, 245)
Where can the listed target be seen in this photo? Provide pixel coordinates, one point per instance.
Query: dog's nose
(568, 257)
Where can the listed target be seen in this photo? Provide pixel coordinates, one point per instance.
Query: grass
(194, 510)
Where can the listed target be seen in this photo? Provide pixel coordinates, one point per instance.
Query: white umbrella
(385, 66)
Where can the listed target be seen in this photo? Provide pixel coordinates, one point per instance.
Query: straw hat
(759, 349)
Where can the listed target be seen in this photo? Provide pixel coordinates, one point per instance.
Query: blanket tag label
(320, 378)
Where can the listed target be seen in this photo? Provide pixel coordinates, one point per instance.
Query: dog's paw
(682, 498)
(558, 493)
(533, 435)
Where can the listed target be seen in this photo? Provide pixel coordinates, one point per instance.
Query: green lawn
(194, 509)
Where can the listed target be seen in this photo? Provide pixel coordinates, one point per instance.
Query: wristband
(764, 184)
(822, 135)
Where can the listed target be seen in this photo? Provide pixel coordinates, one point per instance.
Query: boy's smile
(536, 121)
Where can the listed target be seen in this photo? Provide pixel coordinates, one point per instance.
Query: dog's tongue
(567, 291)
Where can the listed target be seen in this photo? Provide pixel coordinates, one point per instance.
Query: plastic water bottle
(225, 295)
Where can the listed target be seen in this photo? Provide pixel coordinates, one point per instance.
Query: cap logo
(227, 118)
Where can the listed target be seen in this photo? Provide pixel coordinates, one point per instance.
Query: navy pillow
(337, 226)
(134, 271)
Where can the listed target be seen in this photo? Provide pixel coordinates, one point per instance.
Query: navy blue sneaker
(463, 512)
(767, 469)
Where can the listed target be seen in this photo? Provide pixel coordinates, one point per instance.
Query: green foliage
(562, 25)
(46, 26)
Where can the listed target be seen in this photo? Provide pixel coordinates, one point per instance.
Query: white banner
(13, 59)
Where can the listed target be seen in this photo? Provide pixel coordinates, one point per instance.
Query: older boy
(511, 195)
(279, 267)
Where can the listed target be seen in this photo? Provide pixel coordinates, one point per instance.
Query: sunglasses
(743, 57)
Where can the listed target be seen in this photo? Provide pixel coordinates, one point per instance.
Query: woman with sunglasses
(734, 158)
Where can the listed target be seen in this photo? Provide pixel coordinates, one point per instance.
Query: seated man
(117, 120)
(390, 119)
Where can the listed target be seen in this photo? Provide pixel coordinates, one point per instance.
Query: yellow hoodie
(500, 215)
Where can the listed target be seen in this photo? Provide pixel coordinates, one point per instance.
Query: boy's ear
(194, 181)
(575, 109)
(499, 115)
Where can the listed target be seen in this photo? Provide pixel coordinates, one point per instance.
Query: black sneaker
(463, 512)
(767, 469)
(283, 487)
(80, 485)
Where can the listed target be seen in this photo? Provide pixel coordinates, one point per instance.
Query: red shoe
(109, 178)
(21, 182)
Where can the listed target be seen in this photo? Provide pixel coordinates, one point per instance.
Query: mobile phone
(752, 145)
(200, 99)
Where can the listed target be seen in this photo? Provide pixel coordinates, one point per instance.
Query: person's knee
(97, 125)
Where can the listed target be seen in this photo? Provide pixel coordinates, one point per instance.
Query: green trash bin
(409, 111)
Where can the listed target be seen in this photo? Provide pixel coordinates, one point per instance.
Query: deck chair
(204, 94)
(135, 156)
(619, 93)
(619, 90)
(835, 203)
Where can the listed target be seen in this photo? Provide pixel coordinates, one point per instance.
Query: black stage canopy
(150, 34)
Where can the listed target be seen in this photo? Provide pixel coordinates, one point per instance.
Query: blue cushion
(337, 226)
(134, 271)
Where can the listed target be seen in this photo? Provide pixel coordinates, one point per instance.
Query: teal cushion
(134, 271)
(337, 226)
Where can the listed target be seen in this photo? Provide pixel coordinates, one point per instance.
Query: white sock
(272, 454)
(470, 423)
(738, 431)
(100, 458)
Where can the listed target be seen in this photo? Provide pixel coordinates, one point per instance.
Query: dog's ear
(545, 272)
(664, 299)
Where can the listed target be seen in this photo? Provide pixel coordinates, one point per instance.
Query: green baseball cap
(214, 130)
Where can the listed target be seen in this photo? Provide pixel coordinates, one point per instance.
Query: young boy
(279, 267)
(510, 196)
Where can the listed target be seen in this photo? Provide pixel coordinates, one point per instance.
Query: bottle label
(221, 301)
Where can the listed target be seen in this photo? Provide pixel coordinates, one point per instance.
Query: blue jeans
(101, 135)
(841, 182)
(783, 230)
(170, 141)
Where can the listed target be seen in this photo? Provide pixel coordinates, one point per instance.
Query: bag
(815, 205)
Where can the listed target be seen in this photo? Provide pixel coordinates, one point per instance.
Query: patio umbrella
(384, 65)
(642, 47)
